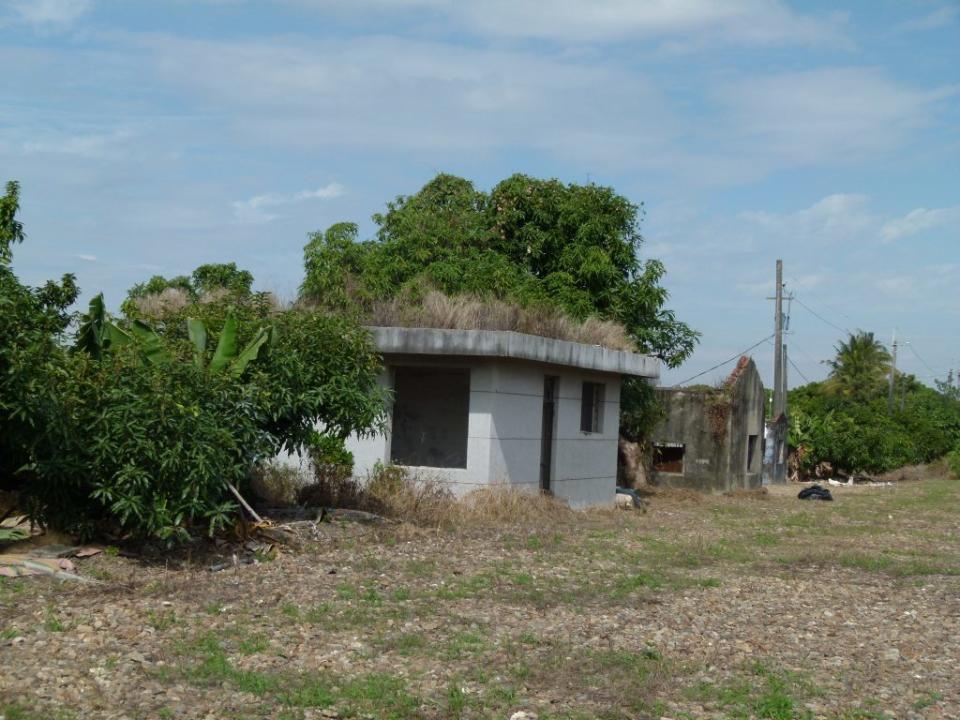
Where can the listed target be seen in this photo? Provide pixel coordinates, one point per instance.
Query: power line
(799, 346)
(820, 317)
(921, 359)
(824, 303)
(719, 365)
(799, 371)
(794, 365)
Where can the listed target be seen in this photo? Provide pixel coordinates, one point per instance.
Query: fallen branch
(246, 505)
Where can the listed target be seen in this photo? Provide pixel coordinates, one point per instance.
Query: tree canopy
(845, 420)
(137, 426)
(533, 241)
(860, 368)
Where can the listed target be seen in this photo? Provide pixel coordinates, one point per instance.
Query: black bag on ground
(815, 492)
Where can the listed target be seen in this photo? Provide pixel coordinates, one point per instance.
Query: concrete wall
(715, 456)
(584, 465)
(368, 451)
(504, 436)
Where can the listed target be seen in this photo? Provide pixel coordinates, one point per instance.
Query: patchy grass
(569, 615)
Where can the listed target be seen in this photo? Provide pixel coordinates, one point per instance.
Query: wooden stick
(246, 505)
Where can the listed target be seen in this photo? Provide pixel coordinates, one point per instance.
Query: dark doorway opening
(668, 458)
(753, 441)
(546, 435)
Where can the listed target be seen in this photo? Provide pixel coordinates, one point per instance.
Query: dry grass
(669, 493)
(427, 502)
(276, 483)
(759, 493)
(503, 505)
(160, 305)
(470, 312)
(729, 608)
(434, 310)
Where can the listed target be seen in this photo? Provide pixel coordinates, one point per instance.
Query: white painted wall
(506, 411)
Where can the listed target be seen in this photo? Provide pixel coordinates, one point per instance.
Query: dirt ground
(756, 605)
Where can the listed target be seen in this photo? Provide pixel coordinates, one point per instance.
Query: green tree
(529, 240)
(858, 435)
(860, 367)
(136, 428)
(31, 358)
(11, 229)
(221, 276)
(204, 281)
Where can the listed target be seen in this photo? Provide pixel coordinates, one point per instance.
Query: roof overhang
(512, 345)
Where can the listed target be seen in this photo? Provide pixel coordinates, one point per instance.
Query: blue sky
(150, 137)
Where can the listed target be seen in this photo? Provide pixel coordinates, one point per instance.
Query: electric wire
(820, 317)
(925, 364)
(799, 371)
(719, 365)
(793, 364)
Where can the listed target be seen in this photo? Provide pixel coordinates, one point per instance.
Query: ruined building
(711, 439)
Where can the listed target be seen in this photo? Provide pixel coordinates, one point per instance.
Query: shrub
(145, 447)
(276, 483)
(857, 436)
(31, 319)
(953, 461)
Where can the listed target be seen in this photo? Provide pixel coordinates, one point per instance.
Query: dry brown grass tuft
(159, 306)
(669, 493)
(936, 469)
(759, 493)
(276, 483)
(470, 312)
(424, 501)
(501, 504)
(163, 304)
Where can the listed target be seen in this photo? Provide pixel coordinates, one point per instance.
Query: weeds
(470, 312)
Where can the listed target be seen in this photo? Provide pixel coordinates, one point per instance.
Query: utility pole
(783, 391)
(778, 399)
(893, 372)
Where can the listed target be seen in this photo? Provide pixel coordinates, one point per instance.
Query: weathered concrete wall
(504, 440)
(715, 429)
(512, 345)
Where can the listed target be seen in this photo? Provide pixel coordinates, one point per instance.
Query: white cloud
(835, 219)
(750, 22)
(88, 146)
(88, 258)
(918, 220)
(446, 102)
(938, 18)
(825, 115)
(254, 210)
(50, 12)
(400, 95)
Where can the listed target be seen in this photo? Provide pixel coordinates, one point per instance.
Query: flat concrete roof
(513, 345)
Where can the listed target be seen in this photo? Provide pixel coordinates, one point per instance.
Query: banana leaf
(249, 353)
(226, 346)
(198, 336)
(152, 345)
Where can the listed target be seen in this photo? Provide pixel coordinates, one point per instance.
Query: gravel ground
(757, 605)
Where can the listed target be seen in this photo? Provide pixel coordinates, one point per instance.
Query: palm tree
(860, 368)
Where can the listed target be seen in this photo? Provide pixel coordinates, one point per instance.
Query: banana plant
(97, 334)
(226, 358)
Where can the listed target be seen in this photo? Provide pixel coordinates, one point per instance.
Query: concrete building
(711, 439)
(478, 407)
